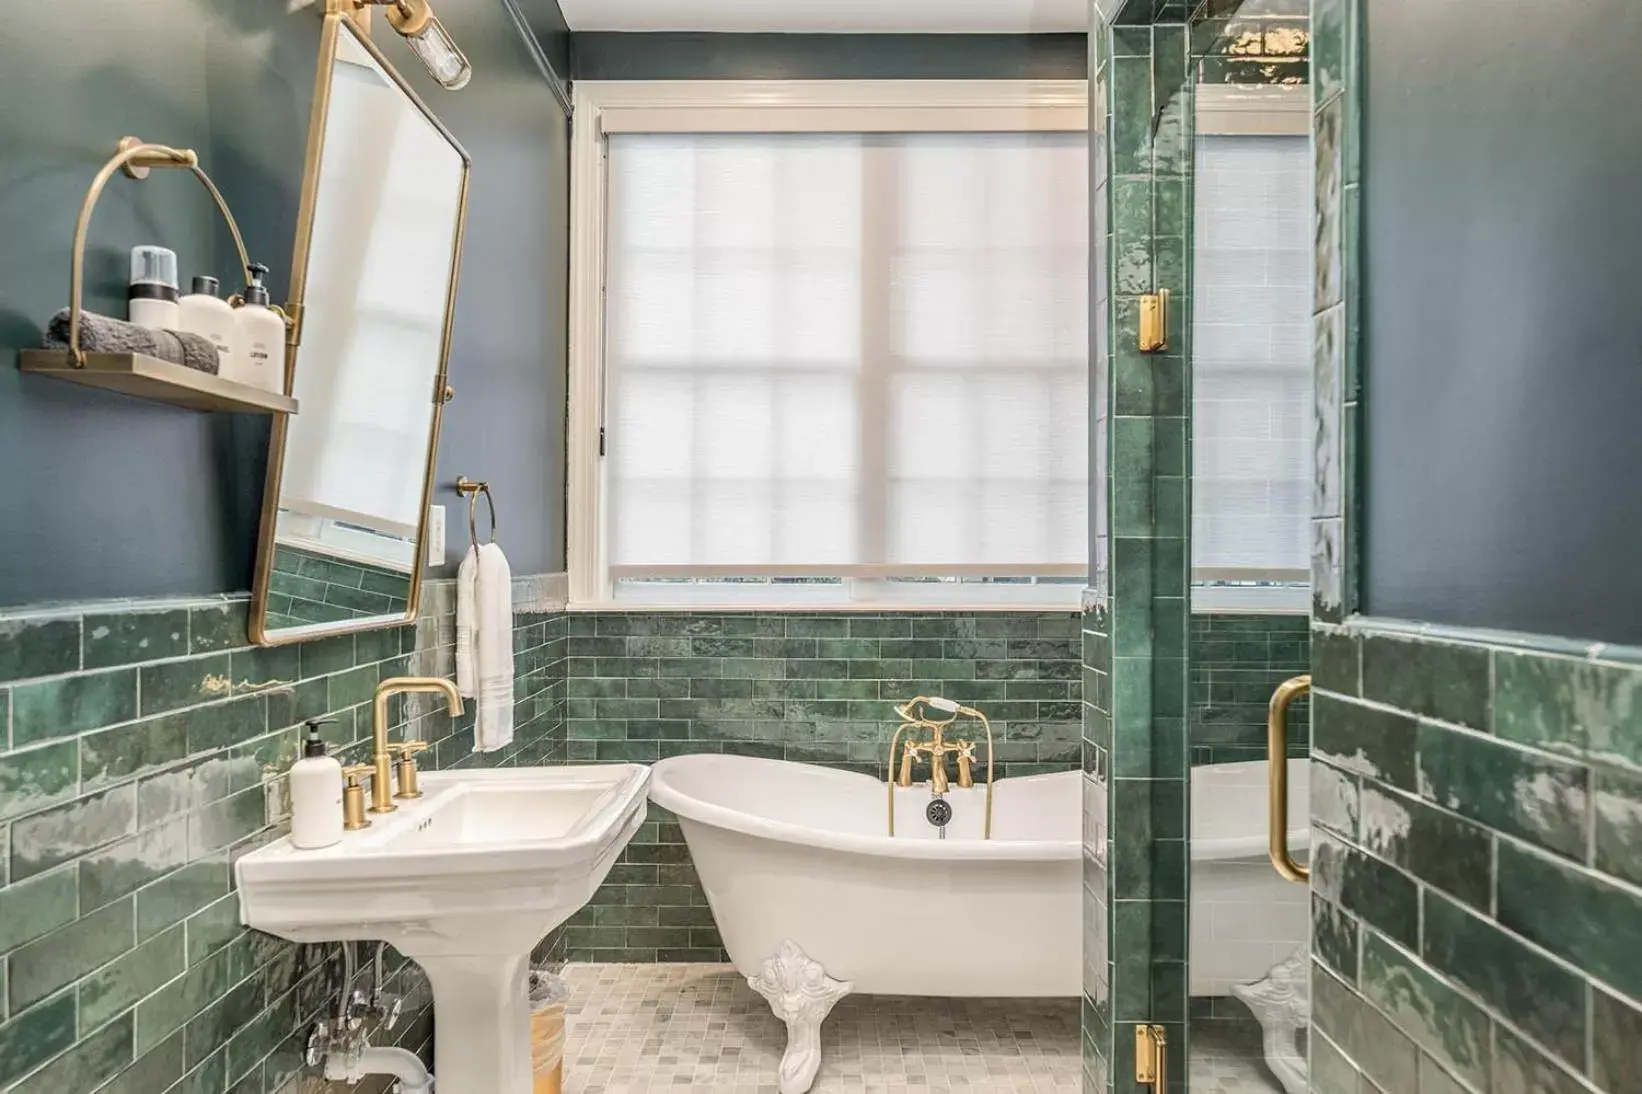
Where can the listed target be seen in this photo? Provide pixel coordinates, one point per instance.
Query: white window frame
(1235, 110)
(603, 107)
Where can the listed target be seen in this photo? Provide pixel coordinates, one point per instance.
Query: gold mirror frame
(337, 24)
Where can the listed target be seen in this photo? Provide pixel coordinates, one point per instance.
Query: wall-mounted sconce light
(428, 39)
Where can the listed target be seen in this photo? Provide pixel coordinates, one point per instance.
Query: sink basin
(465, 880)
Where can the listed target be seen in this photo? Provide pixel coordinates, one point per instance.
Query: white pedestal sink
(465, 880)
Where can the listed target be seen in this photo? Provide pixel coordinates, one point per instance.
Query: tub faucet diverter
(937, 749)
(924, 714)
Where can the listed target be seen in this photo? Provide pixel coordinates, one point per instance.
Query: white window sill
(1251, 599)
(814, 608)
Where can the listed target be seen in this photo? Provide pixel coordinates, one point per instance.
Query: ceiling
(831, 16)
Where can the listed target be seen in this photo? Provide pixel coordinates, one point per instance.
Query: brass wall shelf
(137, 374)
(161, 381)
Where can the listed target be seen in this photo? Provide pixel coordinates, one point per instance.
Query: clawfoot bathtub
(814, 900)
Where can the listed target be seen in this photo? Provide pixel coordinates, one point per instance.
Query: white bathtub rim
(1237, 848)
(1242, 847)
(1211, 780)
(669, 797)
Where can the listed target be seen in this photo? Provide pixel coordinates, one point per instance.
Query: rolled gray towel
(102, 334)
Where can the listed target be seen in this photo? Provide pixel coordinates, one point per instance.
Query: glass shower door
(1199, 605)
(1251, 470)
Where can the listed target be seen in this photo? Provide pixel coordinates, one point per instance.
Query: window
(842, 367)
(1251, 354)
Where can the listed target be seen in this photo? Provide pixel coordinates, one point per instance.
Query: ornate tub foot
(801, 994)
(1281, 1004)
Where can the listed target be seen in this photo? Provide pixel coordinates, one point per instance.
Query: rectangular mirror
(373, 288)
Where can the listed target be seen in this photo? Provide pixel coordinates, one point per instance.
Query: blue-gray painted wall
(1503, 249)
(113, 497)
(701, 56)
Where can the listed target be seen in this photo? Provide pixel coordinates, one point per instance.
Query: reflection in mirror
(354, 469)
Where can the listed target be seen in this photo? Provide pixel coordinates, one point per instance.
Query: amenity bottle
(259, 353)
(208, 315)
(316, 794)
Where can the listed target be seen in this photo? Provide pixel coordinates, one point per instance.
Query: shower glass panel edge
(1138, 622)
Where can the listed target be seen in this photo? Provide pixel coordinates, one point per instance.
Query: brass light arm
(427, 37)
(409, 17)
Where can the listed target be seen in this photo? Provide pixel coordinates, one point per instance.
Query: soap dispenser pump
(316, 793)
(259, 352)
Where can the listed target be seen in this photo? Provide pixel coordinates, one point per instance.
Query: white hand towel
(484, 644)
(467, 621)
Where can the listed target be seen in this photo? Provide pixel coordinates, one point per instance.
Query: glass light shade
(439, 54)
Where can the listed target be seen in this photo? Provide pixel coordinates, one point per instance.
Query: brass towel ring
(471, 490)
(135, 157)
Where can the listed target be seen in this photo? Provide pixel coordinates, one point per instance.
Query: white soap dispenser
(259, 352)
(316, 794)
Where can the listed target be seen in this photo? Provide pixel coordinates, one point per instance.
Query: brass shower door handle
(1277, 777)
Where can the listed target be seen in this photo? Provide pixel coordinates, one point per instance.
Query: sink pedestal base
(481, 1022)
(464, 881)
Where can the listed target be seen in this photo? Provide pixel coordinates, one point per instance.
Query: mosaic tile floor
(644, 1029)
(1228, 1061)
(641, 1029)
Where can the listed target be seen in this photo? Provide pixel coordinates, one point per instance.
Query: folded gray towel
(101, 334)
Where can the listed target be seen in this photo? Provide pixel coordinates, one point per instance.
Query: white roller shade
(1251, 351)
(847, 355)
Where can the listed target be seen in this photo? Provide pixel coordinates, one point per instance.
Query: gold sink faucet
(383, 753)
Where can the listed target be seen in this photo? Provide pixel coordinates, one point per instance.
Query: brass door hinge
(294, 315)
(1152, 1057)
(1154, 321)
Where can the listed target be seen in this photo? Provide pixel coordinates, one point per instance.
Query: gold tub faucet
(383, 754)
(915, 716)
(938, 748)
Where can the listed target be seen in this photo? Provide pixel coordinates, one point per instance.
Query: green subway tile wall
(308, 588)
(1164, 689)
(138, 762)
(1237, 661)
(1138, 634)
(1475, 902)
(815, 688)
(1476, 795)
(144, 749)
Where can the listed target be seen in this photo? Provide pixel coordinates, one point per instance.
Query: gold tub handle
(1277, 777)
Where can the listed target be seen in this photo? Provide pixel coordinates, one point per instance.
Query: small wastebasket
(548, 994)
